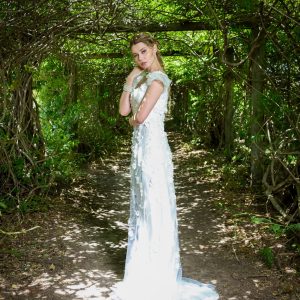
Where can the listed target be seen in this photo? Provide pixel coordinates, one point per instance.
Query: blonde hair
(150, 41)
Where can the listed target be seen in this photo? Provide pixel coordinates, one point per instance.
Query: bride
(152, 268)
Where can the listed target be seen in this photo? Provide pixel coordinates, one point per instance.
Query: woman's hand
(132, 121)
(136, 71)
(124, 104)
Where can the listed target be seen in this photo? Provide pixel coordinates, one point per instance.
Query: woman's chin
(144, 67)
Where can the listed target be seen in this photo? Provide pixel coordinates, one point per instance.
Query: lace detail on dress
(160, 76)
(140, 85)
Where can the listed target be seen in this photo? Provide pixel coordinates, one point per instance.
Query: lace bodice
(139, 91)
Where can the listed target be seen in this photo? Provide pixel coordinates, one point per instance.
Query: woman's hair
(150, 41)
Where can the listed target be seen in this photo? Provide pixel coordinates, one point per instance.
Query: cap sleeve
(160, 76)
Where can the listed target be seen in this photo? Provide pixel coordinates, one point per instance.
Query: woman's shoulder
(158, 75)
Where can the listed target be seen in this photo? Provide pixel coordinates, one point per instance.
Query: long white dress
(153, 269)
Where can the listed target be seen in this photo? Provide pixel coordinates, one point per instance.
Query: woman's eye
(143, 51)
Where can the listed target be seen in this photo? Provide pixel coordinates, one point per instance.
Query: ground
(76, 248)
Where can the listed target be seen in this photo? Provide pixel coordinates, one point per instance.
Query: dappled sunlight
(206, 241)
(85, 271)
(84, 284)
(92, 240)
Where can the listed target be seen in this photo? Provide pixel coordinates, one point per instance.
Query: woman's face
(143, 55)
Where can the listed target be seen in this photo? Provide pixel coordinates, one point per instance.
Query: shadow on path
(88, 234)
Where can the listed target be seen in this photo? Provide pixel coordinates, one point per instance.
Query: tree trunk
(73, 84)
(71, 72)
(72, 98)
(25, 124)
(257, 110)
(228, 105)
(180, 106)
(22, 150)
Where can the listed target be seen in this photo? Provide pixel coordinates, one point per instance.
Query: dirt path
(79, 250)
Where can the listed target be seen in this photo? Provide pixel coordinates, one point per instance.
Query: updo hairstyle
(150, 41)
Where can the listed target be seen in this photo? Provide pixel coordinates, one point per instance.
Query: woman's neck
(155, 67)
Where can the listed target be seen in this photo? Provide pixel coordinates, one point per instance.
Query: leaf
(52, 267)
(293, 227)
(258, 220)
(3, 205)
(267, 256)
(277, 229)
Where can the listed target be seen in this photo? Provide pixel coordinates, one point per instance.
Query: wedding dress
(152, 268)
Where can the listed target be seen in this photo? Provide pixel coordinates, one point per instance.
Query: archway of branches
(234, 69)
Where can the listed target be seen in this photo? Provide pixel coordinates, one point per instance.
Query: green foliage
(291, 231)
(260, 220)
(79, 70)
(33, 204)
(235, 171)
(2, 205)
(197, 78)
(15, 252)
(78, 113)
(277, 229)
(267, 256)
(57, 120)
(295, 228)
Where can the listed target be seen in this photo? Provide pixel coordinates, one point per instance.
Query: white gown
(153, 269)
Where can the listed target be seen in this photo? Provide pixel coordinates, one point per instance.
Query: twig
(268, 192)
(19, 232)
(254, 276)
(235, 254)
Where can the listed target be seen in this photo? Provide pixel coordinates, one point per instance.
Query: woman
(152, 269)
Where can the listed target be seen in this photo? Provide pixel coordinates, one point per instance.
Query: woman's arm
(153, 93)
(124, 104)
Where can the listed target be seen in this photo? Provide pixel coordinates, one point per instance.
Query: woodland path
(79, 250)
